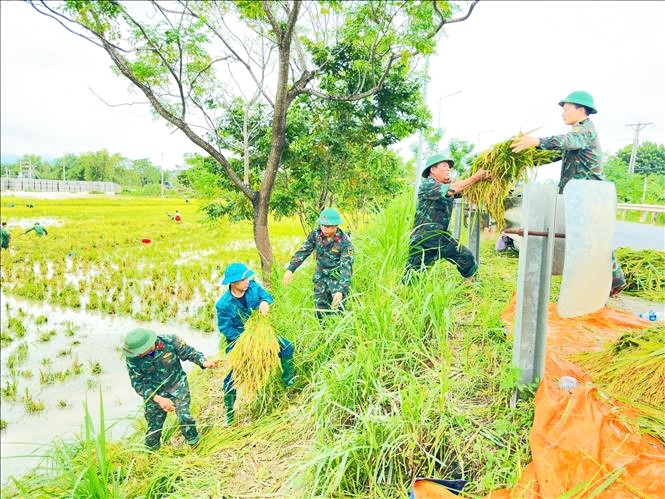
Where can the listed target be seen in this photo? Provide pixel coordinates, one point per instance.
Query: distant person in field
(581, 155)
(233, 308)
(155, 371)
(4, 236)
(334, 262)
(430, 240)
(177, 217)
(39, 229)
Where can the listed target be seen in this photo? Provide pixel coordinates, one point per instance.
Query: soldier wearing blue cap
(581, 155)
(430, 240)
(155, 371)
(334, 261)
(233, 309)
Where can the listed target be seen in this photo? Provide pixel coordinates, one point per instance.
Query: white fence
(39, 185)
(654, 209)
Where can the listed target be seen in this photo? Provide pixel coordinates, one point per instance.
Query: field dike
(410, 381)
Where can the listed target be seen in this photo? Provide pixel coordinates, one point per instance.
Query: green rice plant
(64, 353)
(95, 368)
(70, 328)
(46, 361)
(77, 367)
(41, 319)
(644, 271)
(18, 356)
(16, 326)
(47, 335)
(10, 390)
(5, 338)
(31, 405)
(507, 169)
(64, 404)
(3, 424)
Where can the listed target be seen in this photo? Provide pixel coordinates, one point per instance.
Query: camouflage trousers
(155, 417)
(618, 278)
(426, 249)
(323, 296)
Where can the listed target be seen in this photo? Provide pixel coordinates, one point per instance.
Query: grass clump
(254, 358)
(18, 356)
(644, 271)
(507, 169)
(31, 405)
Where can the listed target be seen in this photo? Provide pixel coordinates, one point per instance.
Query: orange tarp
(577, 441)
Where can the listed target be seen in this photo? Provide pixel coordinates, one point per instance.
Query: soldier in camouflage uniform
(233, 308)
(334, 262)
(581, 156)
(430, 240)
(156, 374)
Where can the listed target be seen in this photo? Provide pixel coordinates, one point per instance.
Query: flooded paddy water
(68, 359)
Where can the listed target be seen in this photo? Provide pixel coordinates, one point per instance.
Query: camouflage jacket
(161, 373)
(434, 208)
(334, 259)
(4, 238)
(581, 156)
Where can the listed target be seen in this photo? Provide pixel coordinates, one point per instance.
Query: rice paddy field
(409, 381)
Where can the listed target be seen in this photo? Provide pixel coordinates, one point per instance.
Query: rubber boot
(288, 371)
(229, 402)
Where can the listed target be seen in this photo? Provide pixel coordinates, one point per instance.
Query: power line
(633, 154)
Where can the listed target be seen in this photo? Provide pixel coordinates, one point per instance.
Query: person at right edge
(581, 156)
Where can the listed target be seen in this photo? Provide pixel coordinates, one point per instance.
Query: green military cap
(580, 98)
(138, 341)
(435, 160)
(329, 216)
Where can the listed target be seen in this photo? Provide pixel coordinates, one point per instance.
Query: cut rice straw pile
(632, 370)
(644, 271)
(507, 169)
(254, 358)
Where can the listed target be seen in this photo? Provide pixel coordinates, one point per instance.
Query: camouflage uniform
(334, 266)
(582, 158)
(4, 238)
(430, 239)
(160, 373)
(40, 230)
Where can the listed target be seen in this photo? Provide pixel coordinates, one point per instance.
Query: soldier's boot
(229, 402)
(153, 440)
(288, 371)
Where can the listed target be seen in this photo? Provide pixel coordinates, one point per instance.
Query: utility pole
(633, 154)
(162, 169)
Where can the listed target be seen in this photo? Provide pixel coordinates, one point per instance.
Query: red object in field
(146, 241)
(177, 218)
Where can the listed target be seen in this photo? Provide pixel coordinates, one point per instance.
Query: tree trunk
(262, 239)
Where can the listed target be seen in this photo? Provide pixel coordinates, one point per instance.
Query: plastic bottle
(567, 382)
(651, 315)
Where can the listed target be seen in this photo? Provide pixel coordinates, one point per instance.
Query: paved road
(639, 236)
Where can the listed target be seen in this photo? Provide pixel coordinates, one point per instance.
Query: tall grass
(409, 381)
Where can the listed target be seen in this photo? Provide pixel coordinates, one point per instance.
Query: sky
(502, 70)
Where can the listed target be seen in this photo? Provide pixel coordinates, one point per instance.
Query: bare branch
(116, 105)
(443, 20)
(273, 21)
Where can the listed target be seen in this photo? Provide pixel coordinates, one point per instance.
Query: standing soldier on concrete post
(153, 363)
(4, 236)
(581, 156)
(334, 262)
(430, 240)
(39, 229)
(233, 308)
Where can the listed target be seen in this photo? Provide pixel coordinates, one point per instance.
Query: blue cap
(236, 272)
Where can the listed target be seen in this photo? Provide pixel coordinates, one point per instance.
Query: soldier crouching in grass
(156, 374)
(334, 262)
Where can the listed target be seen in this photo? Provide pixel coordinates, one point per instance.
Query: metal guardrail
(41, 185)
(654, 209)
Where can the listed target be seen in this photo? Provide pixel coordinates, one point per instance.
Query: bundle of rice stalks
(644, 271)
(507, 169)
(254, 357)
(632, 370)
